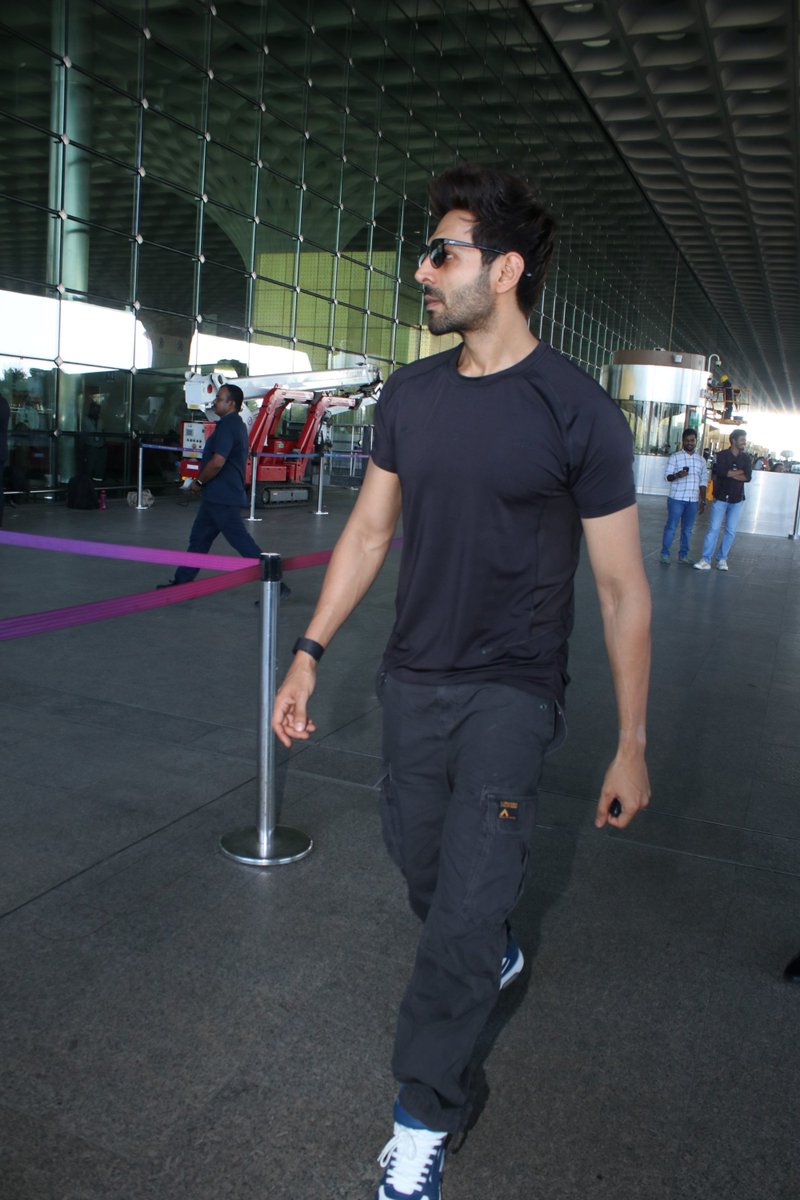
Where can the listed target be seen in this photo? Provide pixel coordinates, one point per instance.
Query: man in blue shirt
(220, 481)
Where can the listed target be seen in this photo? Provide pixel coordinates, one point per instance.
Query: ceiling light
(670, 37)
(576, 8)
(596, 43)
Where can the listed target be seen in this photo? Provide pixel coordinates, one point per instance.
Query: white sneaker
(413, 1160)
(722, 565)
(513, 962)
(703, 564)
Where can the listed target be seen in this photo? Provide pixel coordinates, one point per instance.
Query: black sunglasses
(435, 250)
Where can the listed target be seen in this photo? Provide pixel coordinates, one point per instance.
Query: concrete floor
(176, 1026)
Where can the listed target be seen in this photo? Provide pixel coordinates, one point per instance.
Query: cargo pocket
(507, 824)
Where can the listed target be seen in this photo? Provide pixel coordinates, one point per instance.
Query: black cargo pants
(462, 767)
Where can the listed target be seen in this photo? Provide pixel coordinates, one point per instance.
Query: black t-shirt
(495, 473)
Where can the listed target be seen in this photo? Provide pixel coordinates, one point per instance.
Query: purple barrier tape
(181, 558)
(99, 610)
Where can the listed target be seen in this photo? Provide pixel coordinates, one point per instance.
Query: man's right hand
(290, 721)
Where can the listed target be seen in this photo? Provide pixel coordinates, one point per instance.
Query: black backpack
(81, 493)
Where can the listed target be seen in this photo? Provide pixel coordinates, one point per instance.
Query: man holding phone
(686, 475)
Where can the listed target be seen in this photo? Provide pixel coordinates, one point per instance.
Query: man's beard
(469, 309)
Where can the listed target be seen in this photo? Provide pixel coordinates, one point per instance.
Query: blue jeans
(684, 511)
(211, 520)
(721, 511)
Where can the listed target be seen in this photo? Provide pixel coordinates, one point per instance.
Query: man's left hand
(627, 781)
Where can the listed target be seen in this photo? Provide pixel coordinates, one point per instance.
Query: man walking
(686, 474)
(220, 481)
(473, 677)
(731, 471)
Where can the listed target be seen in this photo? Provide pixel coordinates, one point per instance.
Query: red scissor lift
(281, 474)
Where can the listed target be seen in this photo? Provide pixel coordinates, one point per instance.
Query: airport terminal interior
(241, 187)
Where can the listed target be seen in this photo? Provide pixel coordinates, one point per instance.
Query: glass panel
(100, 42)
(97, 261)
(182, 23)
(230, 179)
(380, 338)
(326, 119)
(285, 93)
(250, 20)
(314, 319)
(227, 238)
(316, 270)
(273, 310)
(168, 216)
(171, 152)
(25, 154)
(358, 194)
(223, 296)
(320, 221)
(26, 77)
(165, 280)
(349, 329)
(98, 118)
(279, 201)
(31, 393)
(24, 235)
(93, 403)
(233, 120)
(234, 62)
(276, 255)
(174, 86)
(99, 190)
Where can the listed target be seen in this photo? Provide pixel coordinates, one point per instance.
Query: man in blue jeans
(686, 475)
(731, 471)
(473, 677)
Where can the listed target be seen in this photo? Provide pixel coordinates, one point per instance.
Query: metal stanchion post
(320, 511)
(139, 487)
(253, 485)
(267, 844)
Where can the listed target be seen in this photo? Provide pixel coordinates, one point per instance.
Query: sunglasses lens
(437, 252)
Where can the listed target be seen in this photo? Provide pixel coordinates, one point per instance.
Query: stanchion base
(320, 512)
(286, 845)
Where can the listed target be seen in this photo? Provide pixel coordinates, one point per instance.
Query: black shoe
(172, 583)
(792, 972)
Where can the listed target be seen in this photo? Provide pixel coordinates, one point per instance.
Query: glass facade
(257, 172)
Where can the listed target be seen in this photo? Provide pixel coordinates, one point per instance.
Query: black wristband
(310, 647)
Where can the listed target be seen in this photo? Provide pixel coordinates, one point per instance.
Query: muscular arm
(356, 560)
(616, 559)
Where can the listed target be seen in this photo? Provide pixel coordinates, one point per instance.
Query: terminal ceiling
(662, 134)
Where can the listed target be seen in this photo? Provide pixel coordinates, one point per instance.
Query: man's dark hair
(689, 429)
(236, 394)
(738, 433)
(507, 215)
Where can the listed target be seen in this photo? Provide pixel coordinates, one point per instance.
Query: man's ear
(512, 268)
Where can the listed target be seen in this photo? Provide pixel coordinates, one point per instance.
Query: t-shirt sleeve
(383, 451)
(602, 478)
